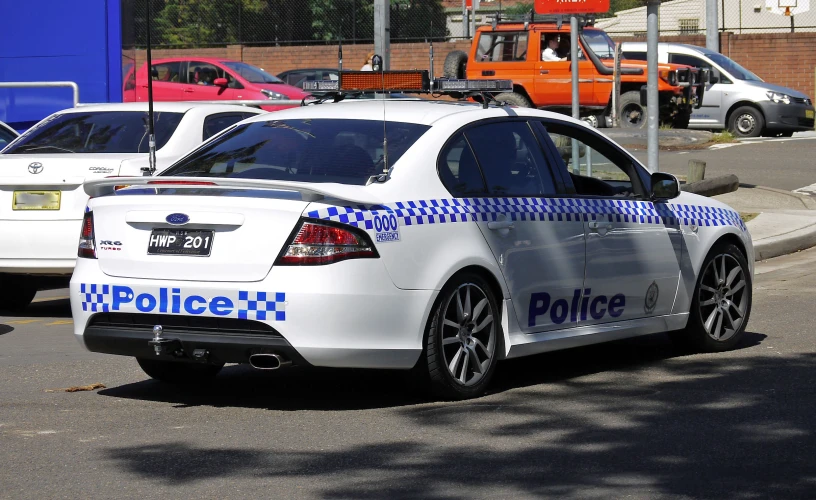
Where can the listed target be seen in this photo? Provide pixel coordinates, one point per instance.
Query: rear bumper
(38, 247)
(348, 314)
(787, 117)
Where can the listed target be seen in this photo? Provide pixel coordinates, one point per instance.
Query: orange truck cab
(516, 51)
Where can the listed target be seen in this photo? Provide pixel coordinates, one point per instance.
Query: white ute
(472, 235)
(42, 173)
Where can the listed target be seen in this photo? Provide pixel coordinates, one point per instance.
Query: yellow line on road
(22, 322)
(61, 322)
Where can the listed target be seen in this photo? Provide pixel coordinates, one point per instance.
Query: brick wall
(783, 58)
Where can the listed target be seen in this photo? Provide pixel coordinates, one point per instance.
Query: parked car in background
(41, 177)
(208, 79)
(735, 98)
(296, 77)
(7, 134)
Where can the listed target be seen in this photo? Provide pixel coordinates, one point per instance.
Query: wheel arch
(519, 89)
(740, 104)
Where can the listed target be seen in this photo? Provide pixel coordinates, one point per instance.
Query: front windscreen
(97, 132)
(251, 73)
(600, 43)
(733, 68)
(306, 150)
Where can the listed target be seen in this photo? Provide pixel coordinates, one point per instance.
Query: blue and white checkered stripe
(262, 306)
(444, 211)
(95, 297)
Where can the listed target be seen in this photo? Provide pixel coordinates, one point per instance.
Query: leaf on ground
(79, 388)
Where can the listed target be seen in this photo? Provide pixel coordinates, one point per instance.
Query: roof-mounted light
(322, 86)
(446, 85)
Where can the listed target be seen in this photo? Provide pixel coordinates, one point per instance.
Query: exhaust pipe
(268, 361)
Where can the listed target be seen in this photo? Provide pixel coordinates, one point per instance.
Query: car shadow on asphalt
(324, 389)
(712, 426)
(4, 329)
(50, 308)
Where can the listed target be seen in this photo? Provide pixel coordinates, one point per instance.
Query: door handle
(543, 71)
(489, 72)
(500, 224)
(600, 226)
(187, 91)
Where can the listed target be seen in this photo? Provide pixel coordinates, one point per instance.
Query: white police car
(493, 233)
(42, 172)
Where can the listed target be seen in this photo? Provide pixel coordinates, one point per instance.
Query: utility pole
(712, 36)
(576, 103)
(382, 31)
(652, 96)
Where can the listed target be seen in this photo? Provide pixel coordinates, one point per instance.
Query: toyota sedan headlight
(777, 97)
(275, 95)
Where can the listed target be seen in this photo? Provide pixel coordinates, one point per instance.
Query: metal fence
(213, 23)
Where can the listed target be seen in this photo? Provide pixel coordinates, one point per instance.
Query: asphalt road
(773, 162)
(634, 419)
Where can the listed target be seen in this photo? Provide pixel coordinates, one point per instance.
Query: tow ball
(161, 345)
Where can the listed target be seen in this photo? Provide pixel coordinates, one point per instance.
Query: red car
(208, 79)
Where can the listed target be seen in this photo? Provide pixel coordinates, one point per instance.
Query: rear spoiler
(309, 191)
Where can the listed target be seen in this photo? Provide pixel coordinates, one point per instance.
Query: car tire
(17, 292)
(179, 372)
(514, 99)
(455, 64)
(632, 113)
(681, 120)
(457, 339)
(722, 295)
(746, 121)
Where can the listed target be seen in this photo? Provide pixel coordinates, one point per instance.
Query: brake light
(184, 183)
(87, 248)
(320, 243)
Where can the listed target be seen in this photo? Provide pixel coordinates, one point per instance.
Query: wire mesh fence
(211, 23)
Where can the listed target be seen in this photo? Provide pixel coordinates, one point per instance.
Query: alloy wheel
(722, 297)
(468, 334)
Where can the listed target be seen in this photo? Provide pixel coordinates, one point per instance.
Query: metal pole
(151, 137)
(712, 38)
(72, 85)
(382, 31)
(576, 108)
(616, 84)
(465, 22)
(651, 83)
(475, 6)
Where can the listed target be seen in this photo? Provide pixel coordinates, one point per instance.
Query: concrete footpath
(785, 222)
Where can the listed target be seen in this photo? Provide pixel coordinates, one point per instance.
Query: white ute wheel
(463, 339)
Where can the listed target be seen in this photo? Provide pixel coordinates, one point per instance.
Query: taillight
(87, 249)
(320, 243)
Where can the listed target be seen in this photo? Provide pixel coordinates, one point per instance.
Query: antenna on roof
(340, 55)
(377, 64)
(151, 137)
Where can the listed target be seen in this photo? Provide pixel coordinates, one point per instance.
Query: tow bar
(162, 345)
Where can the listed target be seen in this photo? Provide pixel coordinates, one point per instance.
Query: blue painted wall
(58, 40)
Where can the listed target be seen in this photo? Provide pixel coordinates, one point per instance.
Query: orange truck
(542, 78)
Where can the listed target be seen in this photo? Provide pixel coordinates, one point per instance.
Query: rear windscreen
(309, 150)
(97, 132)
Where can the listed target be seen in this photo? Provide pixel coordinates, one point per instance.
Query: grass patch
(746, 216)
(666, 126)
(723, 137)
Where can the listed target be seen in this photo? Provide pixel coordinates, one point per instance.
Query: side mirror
(664, 186)
(220, 82)
(714, 76)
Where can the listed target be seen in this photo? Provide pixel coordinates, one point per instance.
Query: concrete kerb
(783, 244)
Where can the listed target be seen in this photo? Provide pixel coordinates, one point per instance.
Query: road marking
(61, 322)
(811, 190)
(49, 299)
(22, 322)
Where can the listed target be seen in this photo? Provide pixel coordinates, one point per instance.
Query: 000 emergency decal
(241, 304)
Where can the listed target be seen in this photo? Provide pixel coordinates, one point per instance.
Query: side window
(595, 167)
(511, 159)
(636, 56)
(458, 169)
(218, 122)
(199, 73)
(694, 61)
(502, 47)
(556, 47)
(167, 72)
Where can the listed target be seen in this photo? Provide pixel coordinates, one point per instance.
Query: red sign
(571, 6)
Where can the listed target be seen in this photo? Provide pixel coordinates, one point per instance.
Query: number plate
(180, 242)
(808, 113)
(36, 200)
